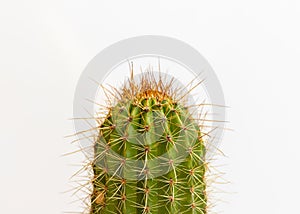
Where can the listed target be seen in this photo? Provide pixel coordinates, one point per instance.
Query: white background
(253, 46)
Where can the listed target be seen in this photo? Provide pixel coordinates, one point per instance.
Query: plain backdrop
(253, 46)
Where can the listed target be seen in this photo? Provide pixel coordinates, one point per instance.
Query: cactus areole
(149, 154)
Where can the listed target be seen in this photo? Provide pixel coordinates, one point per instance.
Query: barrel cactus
(149, 155)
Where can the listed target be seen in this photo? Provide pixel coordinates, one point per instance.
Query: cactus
(149, 154)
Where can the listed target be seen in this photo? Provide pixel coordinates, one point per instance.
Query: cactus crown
(149, 153)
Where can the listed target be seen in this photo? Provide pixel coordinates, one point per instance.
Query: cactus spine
(149, 154)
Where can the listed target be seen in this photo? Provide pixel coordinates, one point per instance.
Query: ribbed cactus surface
(149, 155)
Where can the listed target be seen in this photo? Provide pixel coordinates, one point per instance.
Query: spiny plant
(149, 153)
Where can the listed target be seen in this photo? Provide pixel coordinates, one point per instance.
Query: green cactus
(149, 155)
